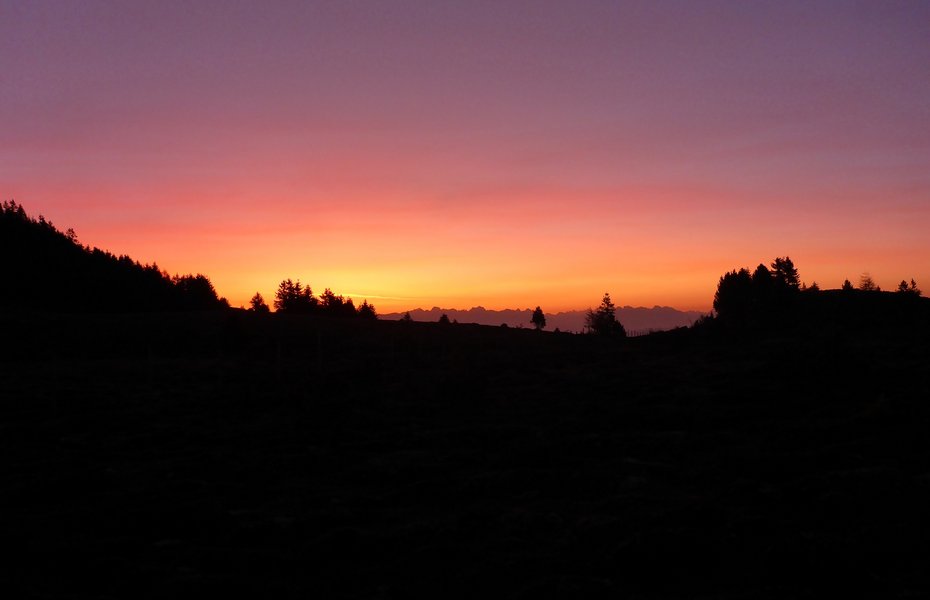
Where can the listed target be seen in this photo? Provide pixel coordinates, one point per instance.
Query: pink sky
(506, 154)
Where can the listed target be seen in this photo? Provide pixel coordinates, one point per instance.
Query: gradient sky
(507, 154)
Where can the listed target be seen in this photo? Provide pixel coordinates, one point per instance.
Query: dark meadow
(157, 442)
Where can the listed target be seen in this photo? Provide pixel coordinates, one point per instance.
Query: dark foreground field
(147, 456)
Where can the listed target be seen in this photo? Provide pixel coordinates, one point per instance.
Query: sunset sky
(507, 154)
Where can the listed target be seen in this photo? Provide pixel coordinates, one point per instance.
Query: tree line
(47, 269)
(744, 296)
(867, 284)
(293, 297)
(769, 294)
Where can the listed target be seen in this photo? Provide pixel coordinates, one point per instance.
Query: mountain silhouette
(635, 319)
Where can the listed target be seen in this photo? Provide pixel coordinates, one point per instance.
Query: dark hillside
(42, 268)
(287, 455)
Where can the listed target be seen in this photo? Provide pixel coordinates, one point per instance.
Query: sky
(499, 153)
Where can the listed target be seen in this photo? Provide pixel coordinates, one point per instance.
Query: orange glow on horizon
(562, 256)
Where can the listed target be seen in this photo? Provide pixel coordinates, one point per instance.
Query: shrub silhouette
(444, 319)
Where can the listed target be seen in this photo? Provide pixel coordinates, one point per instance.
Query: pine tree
(257, 304)
(367, 311)
(284, 296)
(785, 273)
(603, 321)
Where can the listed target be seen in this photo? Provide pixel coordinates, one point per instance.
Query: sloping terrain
(42, 268)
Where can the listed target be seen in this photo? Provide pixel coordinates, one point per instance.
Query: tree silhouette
(761, 298)
(294, 297)
(785, 273)
(306, 303)
(330, 303)
(762, 278)
(538, 319)
(196, 292)
(285, 297)
(406, 318)
(348, 309)
(367, 311)
(847, 285)
(866, 284)
(733, 300)
(336, 305)
(603, 320)
(764, 286)
(444, 319)
(257, 304)
(904, 288)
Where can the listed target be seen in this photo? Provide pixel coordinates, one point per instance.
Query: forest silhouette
(46, 269)
(154, 434)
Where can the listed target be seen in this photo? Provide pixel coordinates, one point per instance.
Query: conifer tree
(257, 304)
(603, 321)
(367, 311)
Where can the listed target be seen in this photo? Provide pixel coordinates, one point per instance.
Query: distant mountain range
(634, 319)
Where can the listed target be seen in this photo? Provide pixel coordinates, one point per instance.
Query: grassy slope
(145, 455)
